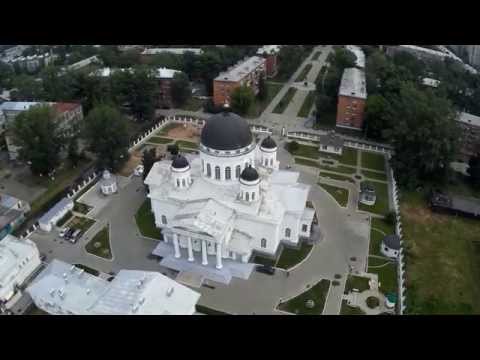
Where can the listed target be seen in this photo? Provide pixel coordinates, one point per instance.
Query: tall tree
(106, 132)
(262, 88)
(28, 88)
(377, 118)
(39, 137)
(149, 158)
(242, 98)
(180, 89)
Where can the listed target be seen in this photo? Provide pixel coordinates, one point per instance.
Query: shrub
(391, 218)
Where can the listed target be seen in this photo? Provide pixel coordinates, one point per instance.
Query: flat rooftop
(268, 49)
(358, 52)
(469, 119)
(241, 69)
(430, 82)
(353, 83)
(177, 51)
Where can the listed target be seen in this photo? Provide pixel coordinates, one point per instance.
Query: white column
(190, 249)
(204, 253)
(176, 246)
(219, 256)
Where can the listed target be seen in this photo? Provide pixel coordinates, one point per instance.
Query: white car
(139, 170)
(63, 232)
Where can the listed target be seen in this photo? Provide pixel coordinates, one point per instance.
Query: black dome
(268, 143)
(226, 131)
(179, 162)
(249, 174)
(392, 241)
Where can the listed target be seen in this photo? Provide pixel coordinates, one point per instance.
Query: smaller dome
(268, 143)
(249, 174)
(180, 162)
(392, 241)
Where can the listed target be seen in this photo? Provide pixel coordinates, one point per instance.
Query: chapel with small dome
(231, 201)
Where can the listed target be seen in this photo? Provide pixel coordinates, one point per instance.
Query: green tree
(474, 170)
(377, 116)
(262, 88)
(292, 146)
(106, 132)
(6, 76)
(180, 89)
(56, 87)
(73, 151)
(242, 98)
(149, 158)
(28, 89)
(39, 137)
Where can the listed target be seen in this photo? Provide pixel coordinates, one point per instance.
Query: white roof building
(176, 51)
(63, 289)
(18, 260)
(268, 49)
(241, 69)
(469, 119)
(353, 83)
(164, 73)
(430, 82)
(358, 52)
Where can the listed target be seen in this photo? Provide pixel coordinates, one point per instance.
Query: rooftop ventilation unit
(170, 291)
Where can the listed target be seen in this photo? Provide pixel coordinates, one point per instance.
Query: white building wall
(224, 162)
(260, 230)
(291, 221)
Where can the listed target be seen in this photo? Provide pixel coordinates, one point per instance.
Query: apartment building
(245, 73)
(351, 99)
(270, 54)
(470, 135)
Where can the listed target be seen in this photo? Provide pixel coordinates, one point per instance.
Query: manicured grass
(146, 221)
(81, 223)
(349, 156)
(374, 175)
(304, 73)
(283, 103)
(356, 282)
(442, 259)
(307, 105)
(100, 244)
(64, 219)
(350, 310)
(387, 276)
(320, 74)
(374, 261)
(339, 194)
(88, 269)
(373, 161)
(259, 106)
(297, 305)
(261, 260)
(306, 151)
(81, 208)
(340, 169)
(316, 55)
(336, 177)
(159, 140)
(186, 144)
(378, 231)
(193, 104)
(381, 204)
(291, 257)
(306, 162)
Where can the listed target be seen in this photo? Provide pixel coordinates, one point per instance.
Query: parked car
(139, 170)
(69, 233)
(64, 231)
(266, 269)
(75, 236)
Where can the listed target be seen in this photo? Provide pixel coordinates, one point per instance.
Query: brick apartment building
(270, 54)
(164, 77)
(351, 99)
(246, 72)
(470, 135)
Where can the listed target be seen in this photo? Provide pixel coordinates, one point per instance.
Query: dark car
(266, 269)
(69, 233)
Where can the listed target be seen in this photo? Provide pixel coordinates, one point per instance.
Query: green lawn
(340, 169)
(374, 175)
(356, 282)
(442, 259)
(304, 73)
(337, 177)
(316, 55)
(306, 162)
(193, 104)
(349, 156)
(306, 151)
(146, 221)
(380, 228)
(320, 74)
(81, 223)
(339, 194)
(88, 269)
(381, 204)
(373, 161)
(291, 257)
(100, 244)
(64, 219)
(159, 140)
(350, 310)
(259, 106)
(297, 305)
(307, 105)
(387, 276)
(283, 103)
(261, 260)
(186, 144)
(84, 190)
(81, 208)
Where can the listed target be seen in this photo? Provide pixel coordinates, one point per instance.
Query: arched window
(209, 170)
(164, 219)
(253, 196)
(237, 171)
(178, 182)
(217, 172)
(183, 183)
(246, 164)
(271, 162)
(266, 162)
(228, 173)
(288, 232)
(263, 243)
(247, 196)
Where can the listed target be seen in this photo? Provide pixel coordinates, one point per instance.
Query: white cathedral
(230, 201)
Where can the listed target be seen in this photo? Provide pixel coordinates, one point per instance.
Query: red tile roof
(63, 107)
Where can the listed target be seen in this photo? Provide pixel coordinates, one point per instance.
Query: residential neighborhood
(239, 180)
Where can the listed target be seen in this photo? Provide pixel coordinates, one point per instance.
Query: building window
(253, 196)
(164, 219)
(183, 183)
(324, 147)
(263, 243)
(217, 172)
(247, 196)
(237, 171)
(304, 228)
(288, 232)
(178, 182)
(209, 170)
(271, 162)
(228, 173)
